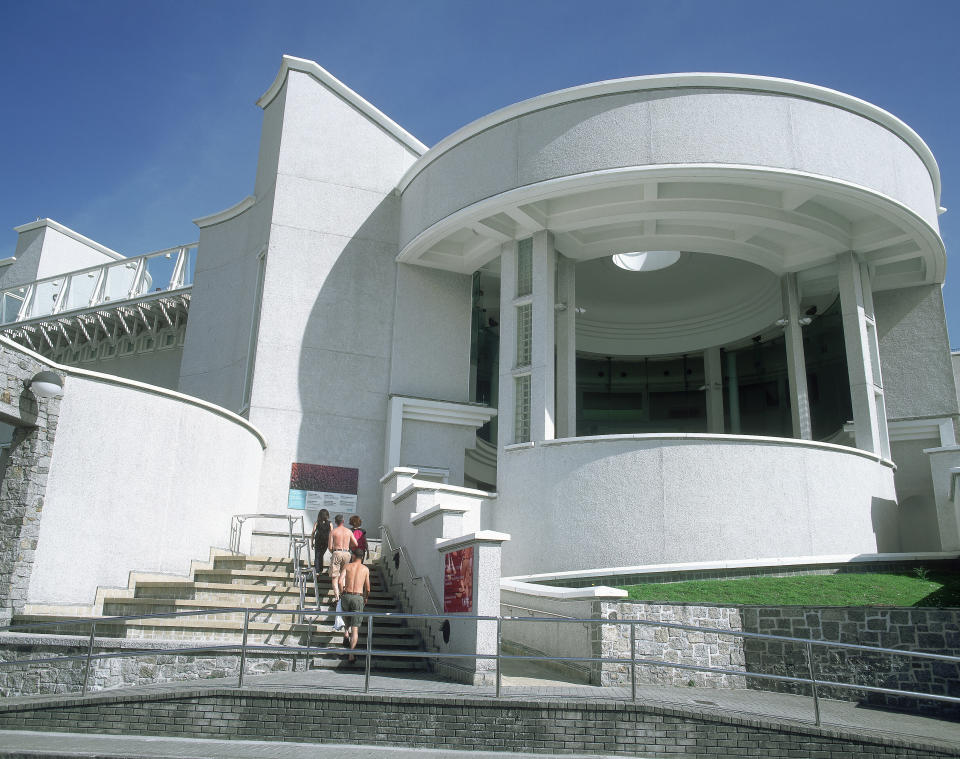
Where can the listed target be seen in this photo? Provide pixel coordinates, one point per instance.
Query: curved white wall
(785, 126)
(616, 501)
(140, 479)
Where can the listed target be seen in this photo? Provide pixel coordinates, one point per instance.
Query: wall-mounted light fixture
(45, 385)
(803, 321)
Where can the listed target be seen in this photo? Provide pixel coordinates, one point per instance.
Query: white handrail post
(633, 661)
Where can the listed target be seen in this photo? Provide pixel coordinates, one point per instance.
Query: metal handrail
(236, 526)
(414, 577)
(301, 577)
(245, 647)
(25, 294)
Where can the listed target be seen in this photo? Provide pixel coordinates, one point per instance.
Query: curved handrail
(236, 526)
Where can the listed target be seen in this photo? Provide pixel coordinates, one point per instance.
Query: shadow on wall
(919, 529)
(344, 369)
(885, 515)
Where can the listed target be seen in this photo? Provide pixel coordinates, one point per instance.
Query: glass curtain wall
(661, 394)
(484, 354)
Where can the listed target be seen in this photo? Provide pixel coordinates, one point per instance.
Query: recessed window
(647, 260)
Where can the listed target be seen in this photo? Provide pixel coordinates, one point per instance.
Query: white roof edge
(772, 562)
(69, 233)
(228, 213)
(141, 386)
(291, 63)
(481, 536)
(670, 81)
(565, 594)
(8, 261)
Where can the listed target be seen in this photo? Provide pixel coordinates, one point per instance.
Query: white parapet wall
(141, 478)
(629, 500)
(423, 522)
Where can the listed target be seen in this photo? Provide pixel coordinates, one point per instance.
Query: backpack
(361, 535)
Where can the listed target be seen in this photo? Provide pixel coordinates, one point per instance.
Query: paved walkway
(522, 681)
(23, 744)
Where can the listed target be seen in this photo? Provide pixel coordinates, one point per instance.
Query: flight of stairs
(224, 587)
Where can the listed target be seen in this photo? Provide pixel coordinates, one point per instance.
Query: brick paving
(423, 696)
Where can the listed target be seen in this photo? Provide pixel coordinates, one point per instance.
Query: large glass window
(617, 396)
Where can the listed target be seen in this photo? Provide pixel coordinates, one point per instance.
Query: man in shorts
(356, 591)
(340, 543)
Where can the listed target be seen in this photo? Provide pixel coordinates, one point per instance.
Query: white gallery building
(681, 320)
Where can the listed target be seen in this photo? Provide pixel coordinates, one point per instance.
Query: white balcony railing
(117, 281)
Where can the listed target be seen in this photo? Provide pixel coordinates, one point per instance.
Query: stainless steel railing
(113, 282)
(301, 576)
(411, 571)
(369, 652)
(236, 527)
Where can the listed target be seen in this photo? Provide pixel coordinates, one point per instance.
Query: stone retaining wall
(426, 721)
(911, 629)
(24, 472)
(65, 677)
(665, 644)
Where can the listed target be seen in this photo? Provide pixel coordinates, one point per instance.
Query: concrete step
(245, 594)
(262, 577)
(134, 606)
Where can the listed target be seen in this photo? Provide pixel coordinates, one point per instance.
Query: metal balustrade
(369, 653)
(163, 271)
(404, 558)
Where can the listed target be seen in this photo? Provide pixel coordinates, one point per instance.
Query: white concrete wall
(323, 356)
(217, 345)
(919, 528)
(46, 248)
(431, 335)
(158, 367)
(140, 479)
(686, 125)
(918, 379)
(425, 444)
(615, 501)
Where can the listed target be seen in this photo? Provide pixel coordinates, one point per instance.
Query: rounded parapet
(778, 173)
(633, 500)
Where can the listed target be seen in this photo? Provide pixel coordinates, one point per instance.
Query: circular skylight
(648, 260)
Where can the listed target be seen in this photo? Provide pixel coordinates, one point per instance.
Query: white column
(566, 336)
(733, 393)
(863, 356)
(508, 345)
(542, 376)
(713, 379)
(796, 362)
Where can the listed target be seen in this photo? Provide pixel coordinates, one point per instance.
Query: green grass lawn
(917, 588)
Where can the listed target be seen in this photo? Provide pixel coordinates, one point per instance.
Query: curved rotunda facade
(663, 320)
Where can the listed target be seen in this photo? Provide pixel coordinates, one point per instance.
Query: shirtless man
(340, 543)
(356, 591)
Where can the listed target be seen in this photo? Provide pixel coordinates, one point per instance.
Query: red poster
(458, 580)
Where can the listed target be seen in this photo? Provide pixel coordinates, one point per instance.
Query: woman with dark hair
(320, 537)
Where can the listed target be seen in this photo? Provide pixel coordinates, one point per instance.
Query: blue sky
(126, 120)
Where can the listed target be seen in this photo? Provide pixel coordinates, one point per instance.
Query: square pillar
(566, 337)
(474, 564)
(796, 361)
(542, 371)
(863, 356)
(713, 377)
